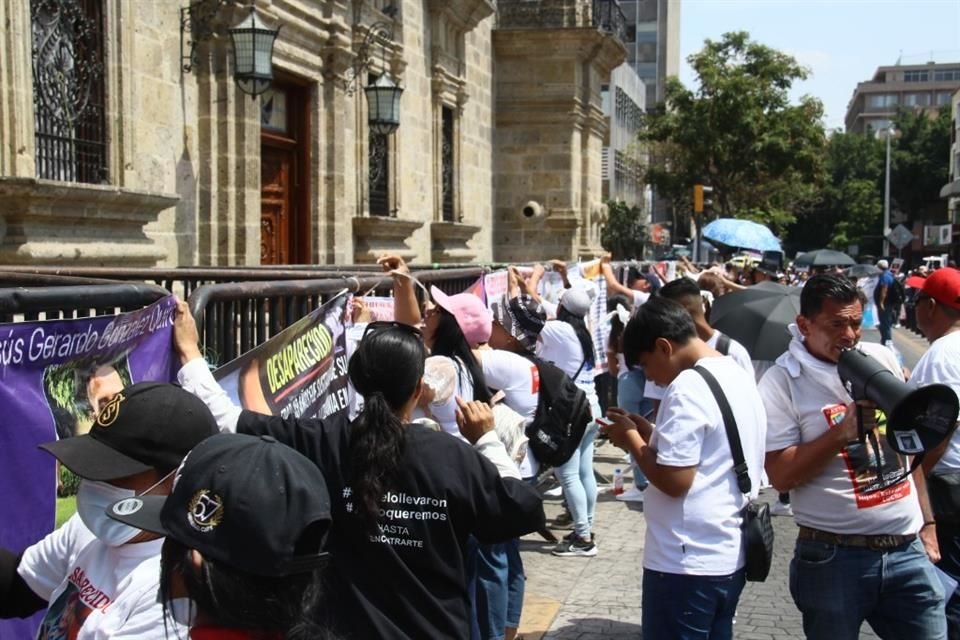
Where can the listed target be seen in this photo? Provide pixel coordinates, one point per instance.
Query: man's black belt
(874, 542)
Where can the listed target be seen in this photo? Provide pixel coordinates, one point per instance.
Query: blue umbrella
(742, 234)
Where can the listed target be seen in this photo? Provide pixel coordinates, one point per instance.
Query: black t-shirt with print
(407, 578)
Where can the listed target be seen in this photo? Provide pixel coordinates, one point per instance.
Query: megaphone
(918, 419)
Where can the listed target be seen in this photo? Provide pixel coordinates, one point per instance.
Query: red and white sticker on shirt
(872, 463)
(534, 379)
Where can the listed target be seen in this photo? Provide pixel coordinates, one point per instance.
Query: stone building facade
(111, 152)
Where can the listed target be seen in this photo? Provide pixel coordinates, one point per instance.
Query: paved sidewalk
(599, 598)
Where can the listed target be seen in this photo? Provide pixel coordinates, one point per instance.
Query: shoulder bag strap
(730, 424)
(723, 344)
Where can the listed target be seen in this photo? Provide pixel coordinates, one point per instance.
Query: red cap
(943, 285)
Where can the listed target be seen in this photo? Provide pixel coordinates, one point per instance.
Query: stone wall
(548, 140)
(184, 147)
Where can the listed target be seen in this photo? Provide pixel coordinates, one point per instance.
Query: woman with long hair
(405, 498)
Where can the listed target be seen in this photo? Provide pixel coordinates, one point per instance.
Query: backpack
(895, 293)
(563, 413)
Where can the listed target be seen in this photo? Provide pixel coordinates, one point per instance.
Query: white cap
(883, 264)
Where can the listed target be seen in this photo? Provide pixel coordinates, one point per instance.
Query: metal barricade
(53, 303)
(234, 317)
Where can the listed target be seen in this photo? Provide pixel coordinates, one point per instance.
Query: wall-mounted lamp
(252, 44)
(383, 95)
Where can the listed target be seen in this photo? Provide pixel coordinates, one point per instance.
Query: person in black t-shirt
(405, 498)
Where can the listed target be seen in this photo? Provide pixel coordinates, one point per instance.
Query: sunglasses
(383, 325)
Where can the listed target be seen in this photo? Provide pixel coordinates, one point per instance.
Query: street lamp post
(889, 133)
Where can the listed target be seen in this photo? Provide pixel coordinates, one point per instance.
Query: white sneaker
(631, 495)
(556, 492)
(780, 509)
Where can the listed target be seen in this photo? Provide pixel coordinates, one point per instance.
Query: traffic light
(701, 198)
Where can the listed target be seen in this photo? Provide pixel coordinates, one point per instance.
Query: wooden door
(284, 183)
(276, 217)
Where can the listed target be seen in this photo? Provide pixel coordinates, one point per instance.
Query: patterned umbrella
(742, 234)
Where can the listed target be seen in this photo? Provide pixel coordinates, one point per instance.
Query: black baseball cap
(248, 502)
(148, 425)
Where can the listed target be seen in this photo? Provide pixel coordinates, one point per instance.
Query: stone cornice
(77, 197)
(465, 15)
(50, 221)
(376, 235)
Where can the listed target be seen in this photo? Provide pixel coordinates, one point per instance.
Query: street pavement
(599, 598)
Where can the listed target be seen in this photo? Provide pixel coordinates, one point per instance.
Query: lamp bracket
(379, 33)
(198, 17)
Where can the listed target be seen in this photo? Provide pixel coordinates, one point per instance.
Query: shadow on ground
(597, 629)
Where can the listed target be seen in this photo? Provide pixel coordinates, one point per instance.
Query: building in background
(113, 153)
(551, 59)
(623, 103)
(653, 43)
(951, 190)
(926, 86)
(653, 50)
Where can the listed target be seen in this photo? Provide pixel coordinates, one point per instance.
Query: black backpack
(563, 413)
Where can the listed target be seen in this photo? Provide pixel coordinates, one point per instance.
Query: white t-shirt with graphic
(801, 405)
(96, 592)
(941, 364)
(699, 533)
(736, 351)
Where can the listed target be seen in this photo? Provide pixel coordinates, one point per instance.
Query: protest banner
(299, 373)
(381, 307)
(54, 376)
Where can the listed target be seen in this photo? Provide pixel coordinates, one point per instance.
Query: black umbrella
(824, 258)
(757, 317)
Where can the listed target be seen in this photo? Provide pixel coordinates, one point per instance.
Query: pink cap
(473, 317)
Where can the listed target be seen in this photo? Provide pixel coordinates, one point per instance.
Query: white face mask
(183, 611)
(93, 498)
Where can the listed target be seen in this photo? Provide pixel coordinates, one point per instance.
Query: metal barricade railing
(234, 317)
(52, 303)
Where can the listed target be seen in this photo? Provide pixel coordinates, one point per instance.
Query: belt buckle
(879, 543)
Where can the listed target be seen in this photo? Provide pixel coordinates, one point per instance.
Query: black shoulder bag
(757, 527)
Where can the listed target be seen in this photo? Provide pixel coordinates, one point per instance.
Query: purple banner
(300, 372)
(54, 375)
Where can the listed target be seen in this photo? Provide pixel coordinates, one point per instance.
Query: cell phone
(604, 422)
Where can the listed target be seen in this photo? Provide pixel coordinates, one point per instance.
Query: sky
(841, 42)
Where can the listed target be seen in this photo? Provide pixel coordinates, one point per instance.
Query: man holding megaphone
(937, 304)
(865, 525)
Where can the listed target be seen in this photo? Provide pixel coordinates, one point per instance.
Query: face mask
(183, 611)
(93, 498)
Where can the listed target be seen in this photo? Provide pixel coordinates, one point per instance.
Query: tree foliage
(738, 131)
(920, 163)
(625, 231)
(850, 206)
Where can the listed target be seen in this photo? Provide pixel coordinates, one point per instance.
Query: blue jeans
(630, 397)
(487, 586)
(948, 537)
(885, 318)
(837, 587)
(579, 483)
(683, 607)
(516, 583)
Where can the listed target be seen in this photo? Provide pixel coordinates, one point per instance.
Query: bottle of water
(617, 481)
